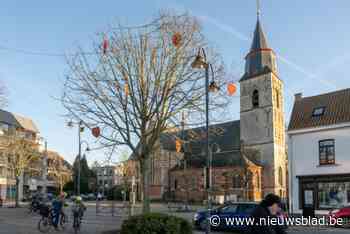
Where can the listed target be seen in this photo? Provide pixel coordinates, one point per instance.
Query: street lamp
(201, 62)
(80, 130)
(45, 167)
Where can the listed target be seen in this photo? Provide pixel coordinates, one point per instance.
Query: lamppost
(201, 62)
(45, 168)
(80, 130)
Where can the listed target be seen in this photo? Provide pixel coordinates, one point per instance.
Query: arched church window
(255, 98)
(236, 181)
(258, 184)
(277, 99)
(280, 176)
(249, 179)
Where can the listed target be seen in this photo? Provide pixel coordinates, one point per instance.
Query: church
(249, 155)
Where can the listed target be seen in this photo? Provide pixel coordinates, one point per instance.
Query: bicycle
(34, 207)
(46, 221)
(76, 221)
(63, 219)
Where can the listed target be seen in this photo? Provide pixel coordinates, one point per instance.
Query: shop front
(324, 192)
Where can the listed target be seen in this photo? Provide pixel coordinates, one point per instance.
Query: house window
(319, 111)
(326, 152)
(255, 98)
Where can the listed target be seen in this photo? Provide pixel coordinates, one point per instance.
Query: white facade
(303, 147)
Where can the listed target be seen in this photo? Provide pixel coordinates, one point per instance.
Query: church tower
(262, 123)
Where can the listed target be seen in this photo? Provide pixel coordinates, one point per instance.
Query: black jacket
(259, 227)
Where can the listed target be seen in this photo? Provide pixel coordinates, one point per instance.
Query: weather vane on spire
(258, 8)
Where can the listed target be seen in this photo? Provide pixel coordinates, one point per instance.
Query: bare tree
(58, 170)
(21, 153)
(136, 88)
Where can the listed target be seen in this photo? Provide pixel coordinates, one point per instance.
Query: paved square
(18, 221)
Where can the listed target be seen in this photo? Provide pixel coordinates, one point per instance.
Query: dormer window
(255, 98)
(319, 111)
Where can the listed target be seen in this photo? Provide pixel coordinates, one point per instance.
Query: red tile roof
(337, 110)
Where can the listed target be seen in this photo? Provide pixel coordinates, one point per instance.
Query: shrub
(156, 223)
(116, 193)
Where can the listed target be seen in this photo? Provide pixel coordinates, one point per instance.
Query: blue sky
(311, 38)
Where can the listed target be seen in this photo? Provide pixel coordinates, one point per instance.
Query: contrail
(224, 27)
(229, 29)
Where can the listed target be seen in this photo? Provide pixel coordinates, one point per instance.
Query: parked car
(229, 209)
(343, 213)
(91, 197)
(85, 197)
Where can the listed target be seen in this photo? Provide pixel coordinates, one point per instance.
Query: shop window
(326, 152)
(333, 194)
(255, 98)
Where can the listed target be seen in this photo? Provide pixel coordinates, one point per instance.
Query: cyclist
(57, 206)
(78, 207)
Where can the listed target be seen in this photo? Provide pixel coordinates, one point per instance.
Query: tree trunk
(17, 193)
(145, 172)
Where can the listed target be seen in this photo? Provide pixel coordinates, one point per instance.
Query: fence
(115, 208)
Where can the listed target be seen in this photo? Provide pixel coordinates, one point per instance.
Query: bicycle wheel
(30, 209)
(76, 225)
(44, 225)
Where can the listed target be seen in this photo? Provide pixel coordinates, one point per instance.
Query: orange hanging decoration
(96, 131)
(178, 145)
(231, 89)
(177, 39)
(105, 45)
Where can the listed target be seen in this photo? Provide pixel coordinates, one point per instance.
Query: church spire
(260, 59)
(259, 39)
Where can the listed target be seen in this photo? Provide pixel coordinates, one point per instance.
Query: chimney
(298, 96)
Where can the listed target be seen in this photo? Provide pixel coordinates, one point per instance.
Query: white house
(319, 152)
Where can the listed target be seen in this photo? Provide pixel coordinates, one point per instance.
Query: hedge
(156, 223)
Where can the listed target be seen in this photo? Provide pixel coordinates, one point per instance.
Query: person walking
(263, 214)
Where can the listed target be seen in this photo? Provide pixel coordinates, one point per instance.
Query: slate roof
(260, 59)
(336, 110)
(18, 121)
(224, 136)
(259, 39)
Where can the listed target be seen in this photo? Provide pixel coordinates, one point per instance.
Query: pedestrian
(99, 196)
(265, 212)
(57, 206)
